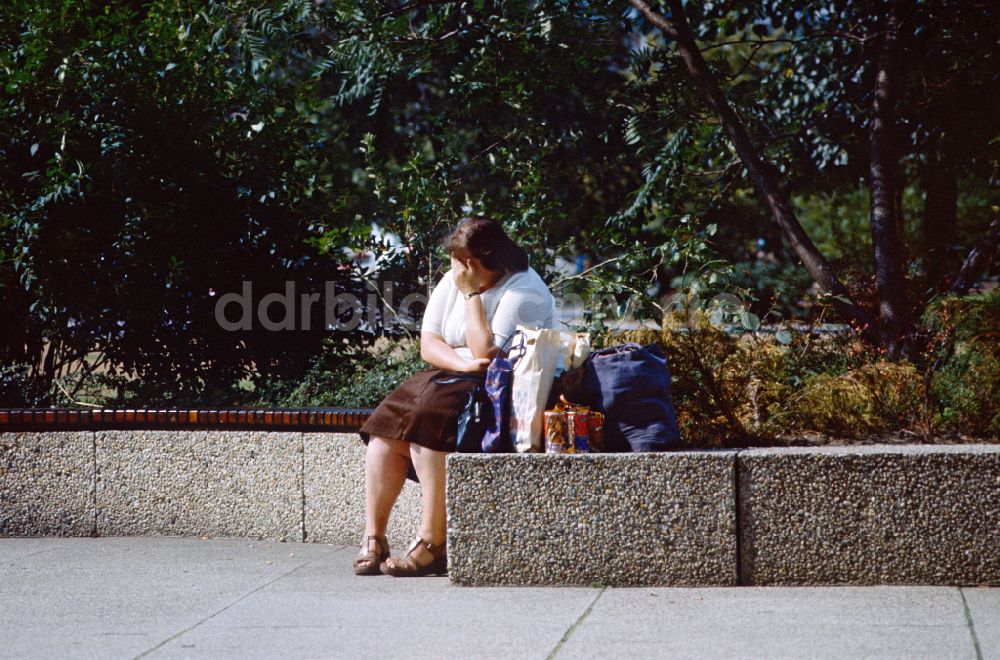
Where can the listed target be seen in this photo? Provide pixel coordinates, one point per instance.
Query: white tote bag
(534, 370)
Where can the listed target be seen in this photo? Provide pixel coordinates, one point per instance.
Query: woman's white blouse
(520, 298)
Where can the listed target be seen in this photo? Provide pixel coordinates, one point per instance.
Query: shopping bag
(532, 376)
(496, 436)
(574, 347)
(572, 429)
(474, 417)
(630, 384)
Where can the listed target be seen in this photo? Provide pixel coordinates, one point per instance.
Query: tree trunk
(940, 220)
(884, 139)
(765, 181)
(979, 259)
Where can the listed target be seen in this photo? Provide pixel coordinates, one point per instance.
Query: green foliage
(875, 398)
(774, 288)
(967, 394)
(18, 388)
(965, 372)
(359, 379)
(154, 158)
(156, 155)
(518, 111)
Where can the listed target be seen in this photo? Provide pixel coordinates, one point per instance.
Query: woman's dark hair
(486, 240)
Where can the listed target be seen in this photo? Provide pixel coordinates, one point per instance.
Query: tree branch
(762, 173)
(753, 53)
(784, 40)
(978, 259)
(411, 5)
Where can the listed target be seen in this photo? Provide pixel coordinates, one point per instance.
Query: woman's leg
(429, 465)
(385, 473)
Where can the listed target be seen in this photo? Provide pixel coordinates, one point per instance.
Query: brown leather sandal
(407, 566)
(369, 561)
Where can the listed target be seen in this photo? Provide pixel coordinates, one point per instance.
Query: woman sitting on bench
(473, 309)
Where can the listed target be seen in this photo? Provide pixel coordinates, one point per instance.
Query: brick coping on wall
(335, 420)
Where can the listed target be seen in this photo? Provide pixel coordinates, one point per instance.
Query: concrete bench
(817, 516)
(610, 519)
(911, 514)
(915, 514)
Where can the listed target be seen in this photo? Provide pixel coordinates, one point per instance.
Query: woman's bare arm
(437, 353)
(478, 333)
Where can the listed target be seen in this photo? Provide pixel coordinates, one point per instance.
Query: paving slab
(984, 611)
(222, 598)
(775, 622)
(322, 609)
(120, 597)
(15, 548)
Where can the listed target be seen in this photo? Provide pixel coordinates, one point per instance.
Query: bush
(355, 379)
(155, 156)
(874, 398)
(964, 375)
(739, 389)
(19, 388)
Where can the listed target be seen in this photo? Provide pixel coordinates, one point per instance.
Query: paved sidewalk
(172, 597)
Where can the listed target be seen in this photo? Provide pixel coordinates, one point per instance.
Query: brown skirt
(421, 410)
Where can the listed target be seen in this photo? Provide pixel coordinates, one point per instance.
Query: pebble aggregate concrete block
(610, 519)
(245, 484)
(914, 514)
(47, 484)
(335, 494)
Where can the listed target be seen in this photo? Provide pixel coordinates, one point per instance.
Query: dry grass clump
(733, 390)
(875, 398)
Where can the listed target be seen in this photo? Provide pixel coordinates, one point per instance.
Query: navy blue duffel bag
(630, 384)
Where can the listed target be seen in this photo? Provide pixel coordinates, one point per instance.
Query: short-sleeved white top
(518, 298)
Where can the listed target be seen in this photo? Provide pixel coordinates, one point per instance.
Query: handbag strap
(457, 378)
(503, 348)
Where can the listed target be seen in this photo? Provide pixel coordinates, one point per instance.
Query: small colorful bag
(572, 429)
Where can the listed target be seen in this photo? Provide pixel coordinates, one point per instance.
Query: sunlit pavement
(172, 597)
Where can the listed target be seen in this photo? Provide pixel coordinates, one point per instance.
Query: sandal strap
(408, 565)
(374, 556)
(382, 543)
(434, 549)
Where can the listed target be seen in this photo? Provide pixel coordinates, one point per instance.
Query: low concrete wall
(612, 519)
(847, 515)
(278, 485)
(334, 496)
(47, 484)
(195, 483)
(870, 515)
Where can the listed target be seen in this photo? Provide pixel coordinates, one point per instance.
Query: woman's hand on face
(477, 365)
(466, 279)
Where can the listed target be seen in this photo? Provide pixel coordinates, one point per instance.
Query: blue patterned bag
(496, 438)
